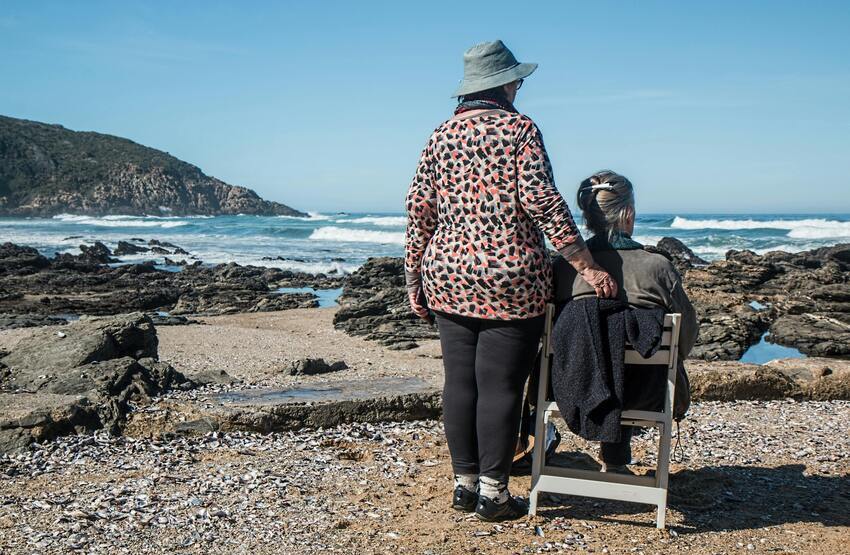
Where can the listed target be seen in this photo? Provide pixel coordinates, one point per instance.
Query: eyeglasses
(519, 83)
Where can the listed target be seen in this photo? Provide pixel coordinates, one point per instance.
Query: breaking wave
(813, 228)
(331, 233)
(382, 221)
(164, 222)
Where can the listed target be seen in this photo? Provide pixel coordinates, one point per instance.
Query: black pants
(486, 364)
(618, 453)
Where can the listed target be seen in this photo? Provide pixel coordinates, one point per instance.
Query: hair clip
(601, 186)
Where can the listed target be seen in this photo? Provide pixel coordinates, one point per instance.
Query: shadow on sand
(717, 498)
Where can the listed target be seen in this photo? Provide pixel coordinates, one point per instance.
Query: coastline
(255, 417)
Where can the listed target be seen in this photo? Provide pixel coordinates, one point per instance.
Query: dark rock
(682, 256)
(79, 378)
(170, 262)
(15, 259)
(164, 244)
(285, 301)
(26, 418)
(243, 296)
(47, 354)
(821, 334)
(169, 320)
(124, 248)
(80, 285)
(728, 327)
(733, 276)
(210, 376)
(808, 294)
(97, 253)
(288, 278)
(312, 366)
(403, 346)
(15, 321)
(374, 304)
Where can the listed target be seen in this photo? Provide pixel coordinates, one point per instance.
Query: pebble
(222, 492)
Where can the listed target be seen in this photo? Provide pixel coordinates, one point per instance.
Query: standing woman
(475, 255)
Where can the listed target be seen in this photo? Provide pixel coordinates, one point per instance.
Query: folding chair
(606, 485)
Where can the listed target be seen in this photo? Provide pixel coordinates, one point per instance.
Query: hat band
(494, 74)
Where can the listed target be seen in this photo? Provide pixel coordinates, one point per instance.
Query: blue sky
(725, 107)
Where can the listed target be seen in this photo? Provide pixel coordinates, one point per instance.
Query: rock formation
(374, 304)
(47, 170)
(807, 299)
(80, 378)
(34, 288)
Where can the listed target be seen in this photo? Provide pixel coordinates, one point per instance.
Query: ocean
(341, 242)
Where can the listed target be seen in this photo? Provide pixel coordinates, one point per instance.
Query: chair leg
(532, 502)
(538, 461)
(662, 472)
(661, 516)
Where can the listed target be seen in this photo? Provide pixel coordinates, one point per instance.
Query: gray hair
(607, 201)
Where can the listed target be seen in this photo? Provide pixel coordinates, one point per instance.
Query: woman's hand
(416, 296)
(581, 259)
(601, 281)
(417, 303)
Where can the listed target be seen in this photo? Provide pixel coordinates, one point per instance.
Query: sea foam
(123, 221)
(382, 221)
(332, 233)
(814, 228)
(311, 217)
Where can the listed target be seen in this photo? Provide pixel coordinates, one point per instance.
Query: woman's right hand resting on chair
(594, 274)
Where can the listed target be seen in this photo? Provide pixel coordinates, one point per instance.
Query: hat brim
(519, 71)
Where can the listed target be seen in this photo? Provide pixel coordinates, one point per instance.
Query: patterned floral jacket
(482, 193)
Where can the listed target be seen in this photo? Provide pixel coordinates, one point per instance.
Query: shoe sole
(499, 518)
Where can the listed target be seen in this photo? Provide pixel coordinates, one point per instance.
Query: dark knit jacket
(588, 369)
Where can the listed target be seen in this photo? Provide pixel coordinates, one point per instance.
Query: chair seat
(640, 418)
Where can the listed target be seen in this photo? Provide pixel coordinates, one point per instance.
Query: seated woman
(645, 279)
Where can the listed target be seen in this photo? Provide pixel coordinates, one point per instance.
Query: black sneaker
(491, 511)
(464, 500)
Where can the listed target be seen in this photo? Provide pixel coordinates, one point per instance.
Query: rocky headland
(48, 169)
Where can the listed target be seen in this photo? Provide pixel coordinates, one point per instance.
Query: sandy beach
(257, 348)
(758, 476)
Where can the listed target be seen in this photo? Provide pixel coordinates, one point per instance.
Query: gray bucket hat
(489, 65)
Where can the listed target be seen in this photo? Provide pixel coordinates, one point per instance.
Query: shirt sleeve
(538, 195)
(421, 205)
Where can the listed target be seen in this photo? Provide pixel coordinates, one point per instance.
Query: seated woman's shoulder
(659, 259)
(661, 252)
